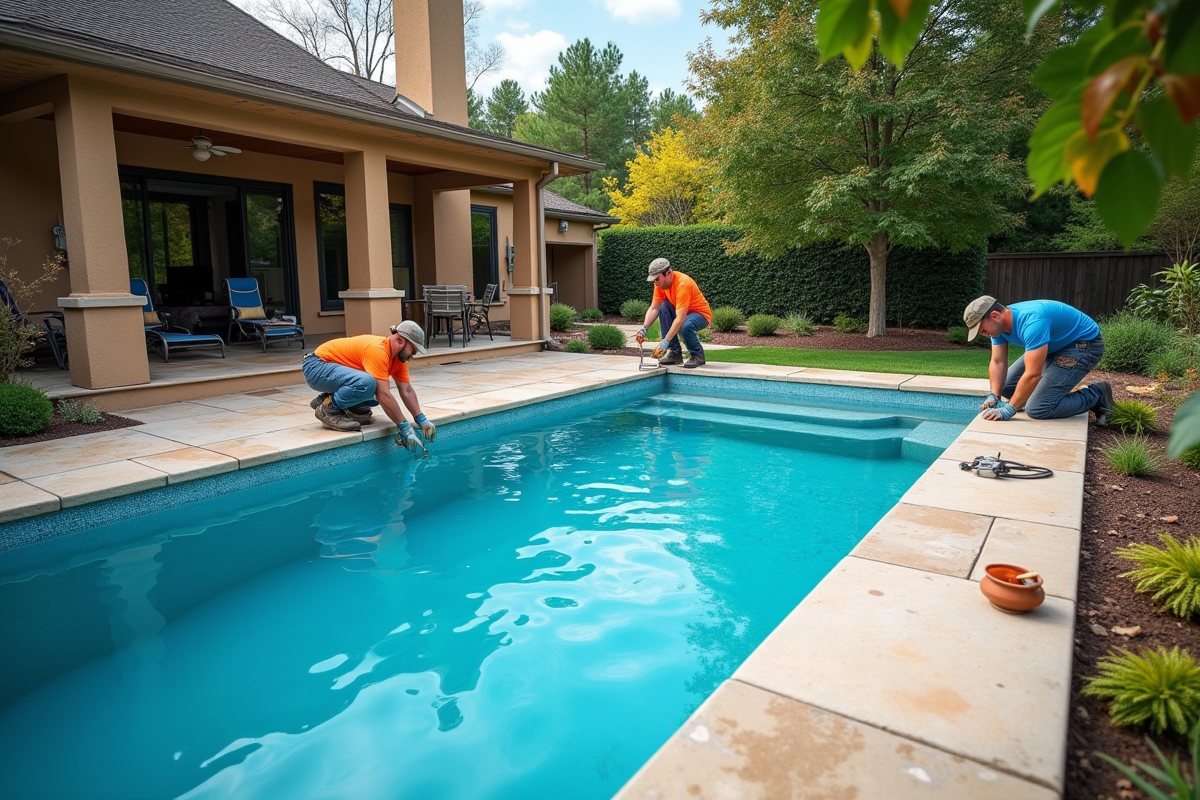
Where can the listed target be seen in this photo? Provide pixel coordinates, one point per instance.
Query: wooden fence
(1097, 283)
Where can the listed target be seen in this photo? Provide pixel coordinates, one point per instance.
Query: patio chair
(161, 337)
(51, 342)
(448, 303)
(480, 309)
(247, 317)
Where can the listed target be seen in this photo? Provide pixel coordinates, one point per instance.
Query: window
(265, 245)
(334, 262)
(402, 250)
(485, 268)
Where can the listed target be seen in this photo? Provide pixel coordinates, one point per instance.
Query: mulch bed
(60, 429)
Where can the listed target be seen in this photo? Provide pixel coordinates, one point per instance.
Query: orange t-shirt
(368, 353)
(686, 296)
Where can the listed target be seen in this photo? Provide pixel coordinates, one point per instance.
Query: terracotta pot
(1000, 586)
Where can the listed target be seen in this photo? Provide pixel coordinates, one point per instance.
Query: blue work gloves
(1002, 411)
(409, 440)
(990, 402)
(427, 428)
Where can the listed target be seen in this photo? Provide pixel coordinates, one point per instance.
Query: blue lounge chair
(161, 337)
(247, 316)
(52, 342)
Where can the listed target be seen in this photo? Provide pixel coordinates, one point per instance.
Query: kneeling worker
(352, 375)
(1062, 345)
(681, 310)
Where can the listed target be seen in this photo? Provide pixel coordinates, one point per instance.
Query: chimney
(431, 60)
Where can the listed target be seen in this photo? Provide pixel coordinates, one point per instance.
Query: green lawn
(952, 363)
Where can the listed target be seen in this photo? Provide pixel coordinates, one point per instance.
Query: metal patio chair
(479, 310)
(161, 337)
(248, 318)
(49, 342)
(449, 304)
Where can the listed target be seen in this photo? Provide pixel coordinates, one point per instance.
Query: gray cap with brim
(411, 332)
(976, 311)
(657, 267)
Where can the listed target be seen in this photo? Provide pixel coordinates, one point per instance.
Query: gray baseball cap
(657, 267)
(412, 333)
(976, 311)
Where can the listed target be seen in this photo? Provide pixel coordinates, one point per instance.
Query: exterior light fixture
(60, 236)
(562, 226)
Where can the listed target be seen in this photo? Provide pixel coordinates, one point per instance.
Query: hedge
(927, 288)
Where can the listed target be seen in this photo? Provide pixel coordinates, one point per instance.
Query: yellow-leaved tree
(666, 185)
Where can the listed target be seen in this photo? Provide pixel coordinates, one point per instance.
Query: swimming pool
(531, 613)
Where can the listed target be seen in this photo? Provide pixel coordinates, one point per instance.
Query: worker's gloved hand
(409, 440)
(641, 335)
(1002, 411)
(427, 428)
(659, 351)
(990, 402)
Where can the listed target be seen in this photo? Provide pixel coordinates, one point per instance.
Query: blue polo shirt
(1039, 322)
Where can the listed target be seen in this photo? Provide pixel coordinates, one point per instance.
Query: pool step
(813, 415)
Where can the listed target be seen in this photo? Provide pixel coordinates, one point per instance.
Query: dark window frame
(493, 250)
(406, 210)
(338, 190)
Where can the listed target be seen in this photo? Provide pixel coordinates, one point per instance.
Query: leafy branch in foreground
(1169, 774)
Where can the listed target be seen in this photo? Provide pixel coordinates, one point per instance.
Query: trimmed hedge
(928, 288)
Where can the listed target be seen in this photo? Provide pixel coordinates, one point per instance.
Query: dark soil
(1118, 511)
(60, 429)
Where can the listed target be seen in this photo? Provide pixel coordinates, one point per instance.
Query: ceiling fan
(202, 148)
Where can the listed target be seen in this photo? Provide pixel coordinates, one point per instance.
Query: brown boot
(335, 418)
(360, 413)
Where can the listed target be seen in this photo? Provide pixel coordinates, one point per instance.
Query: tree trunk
(877, 249)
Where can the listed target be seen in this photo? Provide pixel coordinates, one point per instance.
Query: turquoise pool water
(528, 618)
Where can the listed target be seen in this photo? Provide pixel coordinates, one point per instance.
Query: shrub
(79, 413)
(1129, 341)
(1169, 362)
(843, 323)
(24, 410)
(1171, 572)
(763, 325)
(606, 337)
(704, 334)
(1173, 778)
(561, 317)
(958, 335)
(1133, 416)
(727, 318)
(576, 346)
(1191, 457)
(800, 323)
(635, 310)
(592, 315)
(1159, 688)
(1132, 457)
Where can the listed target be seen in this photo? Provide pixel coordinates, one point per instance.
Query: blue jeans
(349, 387)
(1052, 398)
(694, 322)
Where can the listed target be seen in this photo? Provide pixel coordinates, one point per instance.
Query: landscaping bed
(61, 428)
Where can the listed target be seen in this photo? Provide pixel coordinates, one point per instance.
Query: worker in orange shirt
(353, 374)
(681, 310)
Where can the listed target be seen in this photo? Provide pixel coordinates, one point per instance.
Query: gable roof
(231, 52)
(558, 207)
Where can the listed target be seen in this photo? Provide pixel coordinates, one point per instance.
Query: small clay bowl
(1002, 589)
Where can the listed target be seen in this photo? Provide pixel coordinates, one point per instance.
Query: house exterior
(346, 197)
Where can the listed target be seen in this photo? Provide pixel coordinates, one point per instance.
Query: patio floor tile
(189, 464)
(1056, 500)
(1072, 429)
(1057, 454)
(184, 410)
(210, 428)
(869, 380)
(27, 461)
(235, 402)
(19, 500)
(6, 478)
(916, 653)
(278, 445)
(932, 539)
(947, 385)
(100, 482)
(751, 744)
(1049, 550)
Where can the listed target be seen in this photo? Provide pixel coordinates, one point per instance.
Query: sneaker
(360, 413)
(694, 360)
(1104, 408)
(672, 357)
(316, 401)
(335, 418)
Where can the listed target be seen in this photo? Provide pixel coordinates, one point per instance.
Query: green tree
(504, 105)
(875, 156)
(669, 105)
(476, 117)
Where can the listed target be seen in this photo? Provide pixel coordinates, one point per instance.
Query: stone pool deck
(894, 678)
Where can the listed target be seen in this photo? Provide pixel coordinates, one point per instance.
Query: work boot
(694, 360)
(672, 357)
(1104, 408)
(335, 418)
(360, 413)
(316, 401)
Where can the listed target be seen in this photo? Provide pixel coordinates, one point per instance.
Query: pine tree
(504, 105)
(669, 105)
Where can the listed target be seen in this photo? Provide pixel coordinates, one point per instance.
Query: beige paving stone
(927, 657)
(1056, 500)
(932, 539)
(6, 478)
(19, 500)
(189, 464)
(750, 744)
(1073, 429)
(771, 372)
(278, 445)
(1057, 454)
(34, 460)
(100, 482)
(235, 402)
(843, 377)
(169, 411)
(945, 385)
(203, 431)
(1049, 550)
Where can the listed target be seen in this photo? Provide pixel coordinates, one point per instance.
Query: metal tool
(996, 467)
(642, 365)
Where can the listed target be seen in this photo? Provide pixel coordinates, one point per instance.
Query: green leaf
(842, 24)
(858, 53)
(1127, 195)
(1182, 51)
(1046, 164)
(1185, 430)
(1125, 41)
(1173, 143)
(897, 37)
(1034, 9)
(1063, 71)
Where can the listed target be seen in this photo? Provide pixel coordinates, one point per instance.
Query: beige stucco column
(106, 339)
(372, 301)
(524, 296)
(441, 234)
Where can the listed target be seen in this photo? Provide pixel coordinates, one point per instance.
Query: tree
(476, 115)
(876, 156)
(1084, 230)
(665, 185)
(670, 106)
(1176, 227)
(354, 35)
(480, 60)
(506, 103)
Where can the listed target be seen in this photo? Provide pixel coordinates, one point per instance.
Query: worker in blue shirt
(1062, 345)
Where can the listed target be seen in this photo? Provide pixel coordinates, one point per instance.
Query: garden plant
(1131, 456)
(1133, 416)
(606, 337)
(1130, 341)
(1157, 688)
(24, 410)
(727, 319)
(591, 315)
(1175, 783)
(18, 337)
(577, 346)
(800, 323)
(635, 310)
(80, 413)
(1170, 572)
(844, 323)
(561, 317)
(763, 325)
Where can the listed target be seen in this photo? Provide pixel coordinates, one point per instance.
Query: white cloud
(516, 25)
(505, 5)
(529, 60)
(639, 11)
